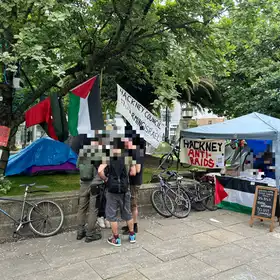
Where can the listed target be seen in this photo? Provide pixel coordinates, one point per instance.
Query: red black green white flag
(85, 110)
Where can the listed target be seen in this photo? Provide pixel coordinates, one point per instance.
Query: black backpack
(118, 179)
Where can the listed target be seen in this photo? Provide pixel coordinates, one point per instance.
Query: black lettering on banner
(209, 146)
(220, 146)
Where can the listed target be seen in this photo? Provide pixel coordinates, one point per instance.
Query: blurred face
(94, 143)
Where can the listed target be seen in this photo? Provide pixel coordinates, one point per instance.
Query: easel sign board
(264, 205)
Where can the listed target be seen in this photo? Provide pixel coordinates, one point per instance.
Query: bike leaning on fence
(45, 218)
(171, 200)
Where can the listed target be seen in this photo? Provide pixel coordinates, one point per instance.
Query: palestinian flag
(85, 111)
(239, 193)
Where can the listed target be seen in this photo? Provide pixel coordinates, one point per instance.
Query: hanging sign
(4, 136)
(138, 116)
(203, 153)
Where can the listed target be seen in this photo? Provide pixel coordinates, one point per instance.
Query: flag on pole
(85, 111)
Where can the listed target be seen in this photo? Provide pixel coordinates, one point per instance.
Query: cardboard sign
(4, 136)
(203, 153)
(264, 205)
(137, 115)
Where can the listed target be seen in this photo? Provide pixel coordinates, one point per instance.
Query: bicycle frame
(19, 223)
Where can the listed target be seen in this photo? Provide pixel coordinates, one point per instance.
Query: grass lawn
(70, 182)
(57, 183)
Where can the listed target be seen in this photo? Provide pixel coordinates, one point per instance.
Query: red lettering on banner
(191, 153)
(200, 158)
(211, 163)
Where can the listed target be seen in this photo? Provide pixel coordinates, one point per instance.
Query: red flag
(220, 193)
(84, 89)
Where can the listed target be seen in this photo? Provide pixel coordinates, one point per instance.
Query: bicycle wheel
(46, 218)
(166, 161)
(207, 190)
(180, 201)
(159, 204)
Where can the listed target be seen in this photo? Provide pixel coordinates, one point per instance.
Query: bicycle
(38, 220)
(173, 201)
(166, 161)
(202, 192)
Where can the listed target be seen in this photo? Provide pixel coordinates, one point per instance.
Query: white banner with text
(203, 153)
(138, 116)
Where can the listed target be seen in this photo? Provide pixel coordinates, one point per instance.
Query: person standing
(90, 185)
(136, 181)
(118, 195)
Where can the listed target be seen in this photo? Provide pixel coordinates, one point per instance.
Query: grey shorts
(115, 201)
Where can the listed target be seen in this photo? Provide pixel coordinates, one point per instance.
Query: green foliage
(164, 50)
(251, 32)
(5, 185)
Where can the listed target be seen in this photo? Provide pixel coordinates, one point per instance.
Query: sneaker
(114, 241)
(101, 222)
(96, 236)
(132, 238)
(107, 224)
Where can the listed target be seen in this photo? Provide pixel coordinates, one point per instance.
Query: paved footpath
(207, 245)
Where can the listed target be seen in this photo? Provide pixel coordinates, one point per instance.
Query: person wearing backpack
(118, 195)
(90, 185)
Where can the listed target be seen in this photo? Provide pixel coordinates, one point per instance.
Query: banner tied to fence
(203, 153)
(138, 116)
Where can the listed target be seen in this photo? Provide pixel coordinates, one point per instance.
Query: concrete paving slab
(79, 271)
(245, 230)
(141, 258)
(111, 265)
(133, 275)
(17, 266)
(200, 225)
(227, 256)
(191, 248)
(50, 274)
(264, 244)
(173, 249)
(76, 252)
(187, 268)
(224, 236)
(226, 220)
(172, 232)
(269, 264)
(241, 273)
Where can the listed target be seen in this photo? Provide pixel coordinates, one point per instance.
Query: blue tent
(251, 126)
(42, 152)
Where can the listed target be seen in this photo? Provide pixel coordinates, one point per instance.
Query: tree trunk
(6, 100)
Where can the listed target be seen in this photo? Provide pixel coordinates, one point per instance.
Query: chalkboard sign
(264, 205)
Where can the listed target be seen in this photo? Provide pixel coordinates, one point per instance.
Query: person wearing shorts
(137, 180)
(115, 201)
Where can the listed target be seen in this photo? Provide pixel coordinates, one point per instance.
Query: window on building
(209, 122)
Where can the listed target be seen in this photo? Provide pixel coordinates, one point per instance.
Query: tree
(56, 45)
(251, 32)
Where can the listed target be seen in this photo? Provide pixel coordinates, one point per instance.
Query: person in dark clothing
(137, 180)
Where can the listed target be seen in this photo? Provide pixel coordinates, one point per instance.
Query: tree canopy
(157, 50)
(251, 31)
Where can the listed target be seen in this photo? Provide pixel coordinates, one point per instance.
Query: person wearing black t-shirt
(135, 181)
